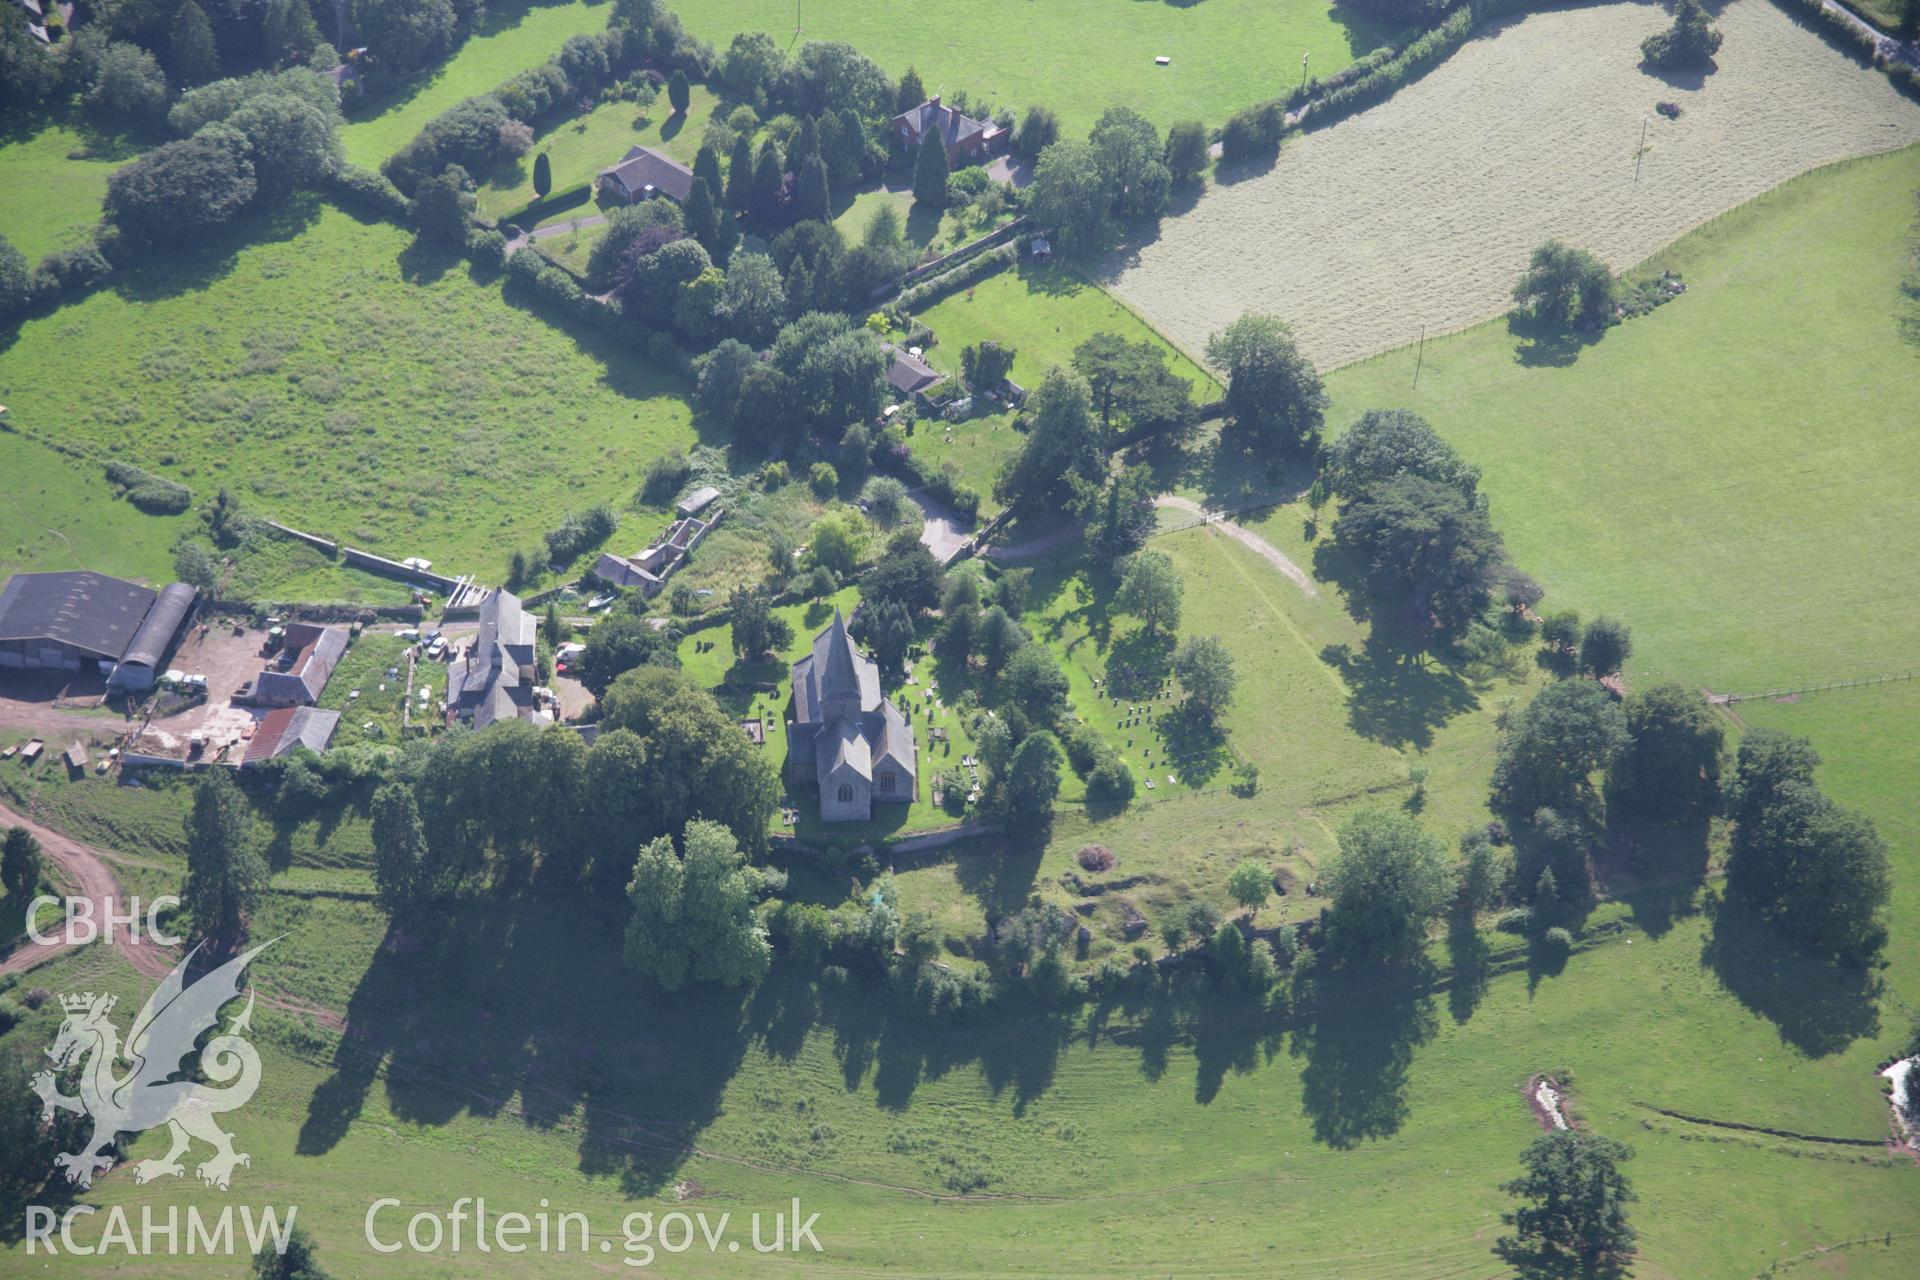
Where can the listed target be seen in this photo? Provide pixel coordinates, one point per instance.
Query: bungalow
(644, 174)
(907, 373)
(965, 138)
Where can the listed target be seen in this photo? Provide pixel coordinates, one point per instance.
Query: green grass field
(580, 147)
(1043, 313)
(327, 373)
(1078, 57)
(516, 35)
(56, 179)
(1732, 475)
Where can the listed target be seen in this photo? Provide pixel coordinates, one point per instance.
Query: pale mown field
(1423, 210)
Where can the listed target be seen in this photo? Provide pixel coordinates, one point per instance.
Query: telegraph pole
(1641, 153)
(1422, 358)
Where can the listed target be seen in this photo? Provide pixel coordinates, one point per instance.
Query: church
(843, 736)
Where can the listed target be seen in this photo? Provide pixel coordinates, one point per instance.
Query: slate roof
(289, 728)
(87, 610)
(493, 680)
(952, 127)
(644, 167)
(315, 652)
(908, 373)
(832, 671)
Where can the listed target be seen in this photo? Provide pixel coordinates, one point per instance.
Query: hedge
(150, 493)
(995, 259)
(370, 192)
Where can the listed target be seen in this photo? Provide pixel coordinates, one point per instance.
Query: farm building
(644, 174)
(649, 568)
(305, 665)
(66, 620)
(287, 729)
(843, 735)
(965, 137)
(493, 679)
(697, 501)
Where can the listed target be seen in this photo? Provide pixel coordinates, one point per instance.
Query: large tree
(1121, 521)
(295, 143)
(406, 34)
(693, 918)
(1387, 880)
(399, 850)
(1670, 771)
(16, 281)
(1565, 286)
(1554, 745)
(1429, 554)
(1815, 869)
(1150, 590)
(1024, 794)
(1273, 392)
(1384, 443)
(21, 862)
(1063, 461)
(1069, 195)
(1132, 383)
(225, 872)
(1132, 163)
(180, 190)
(1691, 41)
(837, 370)
(698, 763)
(1573, 1201)
(619, 644)
(1205, 668)
(930, 172)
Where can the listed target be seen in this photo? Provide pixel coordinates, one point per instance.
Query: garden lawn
(1078, 57)
(514, 37)
(370, 701)
(929, 234)
(579, 147)
(329, 374)
(1733, 474)
(1043, 312)
(52, 183)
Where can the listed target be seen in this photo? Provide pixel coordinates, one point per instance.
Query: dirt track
(1246, 538)
(82, 871)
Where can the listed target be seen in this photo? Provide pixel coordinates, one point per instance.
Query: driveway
(944, 530)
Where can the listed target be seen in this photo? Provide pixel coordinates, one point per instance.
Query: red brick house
(965, 137)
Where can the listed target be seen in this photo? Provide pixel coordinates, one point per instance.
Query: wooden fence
(1728, 699)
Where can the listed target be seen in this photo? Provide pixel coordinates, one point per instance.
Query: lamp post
(1303, 67)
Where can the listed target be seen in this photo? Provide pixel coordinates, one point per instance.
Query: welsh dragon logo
(146, 1095)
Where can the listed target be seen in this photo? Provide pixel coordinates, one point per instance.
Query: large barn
(69, 620)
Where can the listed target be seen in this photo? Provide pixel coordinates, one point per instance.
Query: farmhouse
(965, 137)
(493, 679)
(843, 736)
(649, 568)
(66, 620)
(305, 665)
(644, 174)
(286, 729)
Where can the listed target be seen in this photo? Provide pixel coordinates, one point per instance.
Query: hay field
(1423, 209)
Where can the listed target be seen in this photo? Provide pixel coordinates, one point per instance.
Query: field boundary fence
(1860, 682)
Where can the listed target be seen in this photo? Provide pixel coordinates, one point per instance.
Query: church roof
(833, 671)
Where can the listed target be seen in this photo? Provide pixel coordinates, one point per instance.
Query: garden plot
(1421, 211)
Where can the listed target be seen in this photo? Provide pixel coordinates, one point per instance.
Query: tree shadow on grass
(1138, 664)
(1357, 1033)
(1819, 1007)
(1467, 961)
(1196, 745)
(1531, 1262)
(485, 1010)
(157, 275)
(1543, 345)
(1398, 696)
(1657, 869)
